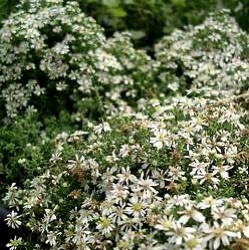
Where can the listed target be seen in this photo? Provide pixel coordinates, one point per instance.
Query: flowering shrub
(50, 50)
(172, 174)
(211, 58)
(139, 170)
(38, 55)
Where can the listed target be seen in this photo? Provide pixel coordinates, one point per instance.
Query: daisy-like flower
(225, 215)
(198, 167)
(175, 173)
(136, 207)
(103, 127)
(222, 170)
(105, 226)
(13, 220)
(217, 235)
(118, 193)
(107, 207)
(209, 202)
(178, 234)
(129, 224)
(161, 138)
(178, 200)
(126, 176)
(197, 123)
(14, 243)
(191, 213)
(118, 214)
(243, 229)
(52, 237)
(165, 223)
(146, 186)
(78, 162)
(207, 177)
(195, 243)
(82, 237)
(124, 150)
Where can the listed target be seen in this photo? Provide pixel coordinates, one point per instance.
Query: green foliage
(18, 141)
(6, 7)
(149, 20)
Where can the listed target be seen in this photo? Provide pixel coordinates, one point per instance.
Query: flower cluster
(212, 58)
(174, 173)
(48, 48)
(159, 156)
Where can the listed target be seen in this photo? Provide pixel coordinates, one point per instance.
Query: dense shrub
(55, 58)
(211, 58)
(110, 148)
(175, 173)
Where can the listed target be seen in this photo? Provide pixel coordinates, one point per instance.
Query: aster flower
(136, 207)
(14, 243)
(161, 138)
(178, 234)
(12, 220)
(105, 226)
(218, 234)
(191, 213)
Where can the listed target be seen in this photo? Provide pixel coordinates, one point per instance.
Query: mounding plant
(172, 175)
(140, 171)
(209, 59)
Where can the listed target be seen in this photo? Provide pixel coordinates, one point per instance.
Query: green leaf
(110, 3)
(117, 12)
(179, 3)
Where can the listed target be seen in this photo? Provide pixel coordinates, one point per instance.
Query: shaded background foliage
(149, 20)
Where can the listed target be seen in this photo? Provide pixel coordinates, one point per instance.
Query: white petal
(246, 231)
(199, 217)
(216, 243)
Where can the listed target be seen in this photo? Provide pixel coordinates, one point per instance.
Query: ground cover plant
(106, 147)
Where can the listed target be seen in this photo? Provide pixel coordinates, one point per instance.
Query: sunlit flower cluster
(144, 179)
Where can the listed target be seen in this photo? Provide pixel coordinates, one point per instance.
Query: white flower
(118, 214)
(131, 223)
(146, 186)
(192, 213)
(222, 170)
(180, 233)
(14, 243)
(105, 226)
(198, 167)
(52, 237)
(61, 48)
(209, 202)
(161, 138)
(207, 177)
(165, 223)
(136, 207)
(126, 176)
(225, 215)
(13, 220)
(124, 150)
(102, 127)
(219, 234)
(243, 228)
(78, 162)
